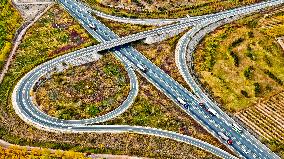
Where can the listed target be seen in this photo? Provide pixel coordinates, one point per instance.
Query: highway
(24, 107)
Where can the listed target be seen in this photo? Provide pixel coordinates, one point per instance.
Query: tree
(257, 89)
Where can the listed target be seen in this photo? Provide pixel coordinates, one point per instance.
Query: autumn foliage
(36, 153)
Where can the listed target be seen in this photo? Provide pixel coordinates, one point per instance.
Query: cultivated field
(266, 120)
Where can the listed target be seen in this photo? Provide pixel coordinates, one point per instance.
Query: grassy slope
(22, 152)
(172, 10)
(10, 20)
(234, 62)
(123, 29)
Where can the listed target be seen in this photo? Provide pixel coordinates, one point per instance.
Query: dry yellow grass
(266, 120)
(162, 8)
(257, 51)
(84, 91)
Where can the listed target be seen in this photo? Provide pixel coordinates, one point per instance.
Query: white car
(245, 150)
(142, 67)
(254, 155)
(92, 26)
(181, 101)
(237, 128)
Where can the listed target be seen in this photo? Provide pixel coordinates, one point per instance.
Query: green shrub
(244, 93)
(94, 110)
(248, 72)
(235, 58)
(237, 42)
(257, 89)
(252, 23)
(272, 76)
(250, 53)
(250, 34)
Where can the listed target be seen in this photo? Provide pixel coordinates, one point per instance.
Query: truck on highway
(181, 101)
(142, 67)
(225, 137)
(209, 110)
(237, 128)
(212, 112)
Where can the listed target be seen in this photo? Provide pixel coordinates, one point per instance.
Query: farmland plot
(266, 118)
